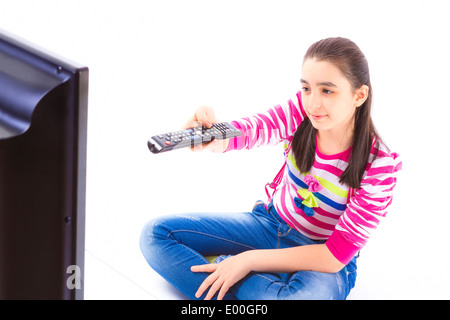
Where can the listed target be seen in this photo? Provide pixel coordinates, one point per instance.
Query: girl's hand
(223, 275)
(204, 116)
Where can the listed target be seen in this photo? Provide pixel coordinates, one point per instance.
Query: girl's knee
(318, 286)
(152, 232)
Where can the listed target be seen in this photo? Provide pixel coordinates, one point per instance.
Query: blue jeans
(171, 245)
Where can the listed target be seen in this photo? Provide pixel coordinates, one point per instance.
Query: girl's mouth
(317, 116)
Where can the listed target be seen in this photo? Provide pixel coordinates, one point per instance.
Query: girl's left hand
(223, 275)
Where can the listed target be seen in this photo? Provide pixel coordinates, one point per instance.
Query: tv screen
(43, 133)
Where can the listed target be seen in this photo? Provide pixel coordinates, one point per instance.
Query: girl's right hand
(205, 116)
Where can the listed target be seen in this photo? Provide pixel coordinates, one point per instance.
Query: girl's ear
(361, 95)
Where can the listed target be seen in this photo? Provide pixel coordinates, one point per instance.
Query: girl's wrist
(250, 259)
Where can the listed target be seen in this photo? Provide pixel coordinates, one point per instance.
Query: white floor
(104, 282)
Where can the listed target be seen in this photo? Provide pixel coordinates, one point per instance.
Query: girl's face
(328, 97)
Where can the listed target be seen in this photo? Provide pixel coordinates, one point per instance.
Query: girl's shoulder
(382, 160)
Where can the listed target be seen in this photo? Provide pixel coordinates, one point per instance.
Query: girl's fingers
(217, 145)
(206, 284)
(214, 287)
(206, 116)
(223, 291)
(193, 124)
(209, 267)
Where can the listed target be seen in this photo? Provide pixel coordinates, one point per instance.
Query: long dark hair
(346, 56)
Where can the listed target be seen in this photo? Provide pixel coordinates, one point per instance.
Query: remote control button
(168, 143)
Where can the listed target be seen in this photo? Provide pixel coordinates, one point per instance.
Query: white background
(152, 63)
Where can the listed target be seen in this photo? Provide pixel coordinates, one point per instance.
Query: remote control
(191, 137)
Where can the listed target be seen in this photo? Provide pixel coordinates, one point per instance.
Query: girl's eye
(326, 91)
(305, 89)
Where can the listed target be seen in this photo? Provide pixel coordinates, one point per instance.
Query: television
(43, 136)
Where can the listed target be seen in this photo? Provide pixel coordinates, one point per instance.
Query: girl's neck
(330, 142)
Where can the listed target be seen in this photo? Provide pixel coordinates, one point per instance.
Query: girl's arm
(289, 260)
(270, 127)
(316, 257)
(265, 128)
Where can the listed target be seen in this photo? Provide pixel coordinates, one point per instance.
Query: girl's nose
(314, 101)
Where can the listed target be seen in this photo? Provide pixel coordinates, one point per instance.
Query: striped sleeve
(366, 208)
(270, 127)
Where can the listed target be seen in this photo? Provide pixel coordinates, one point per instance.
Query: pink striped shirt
(324, 211)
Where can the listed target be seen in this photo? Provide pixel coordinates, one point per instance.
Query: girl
(330, 195)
